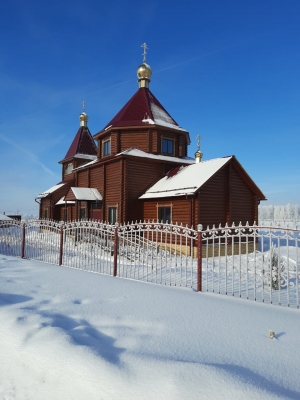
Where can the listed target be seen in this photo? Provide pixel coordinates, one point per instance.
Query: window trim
(70, 166)
(103, 147)
(85, 212)
(172, 140)
(167, 205)
(114, 206)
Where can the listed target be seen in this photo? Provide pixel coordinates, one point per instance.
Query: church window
(112, 215)
(83, 213)
(164, 214)
(68, 168)
(106, 148)
(46, 214)
(168, 146)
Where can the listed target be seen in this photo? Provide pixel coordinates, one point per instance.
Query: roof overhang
(79, 193)
(50, 191)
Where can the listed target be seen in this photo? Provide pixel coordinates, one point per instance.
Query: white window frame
(104, 142)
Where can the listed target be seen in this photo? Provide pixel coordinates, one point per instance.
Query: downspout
(189, 199)
(39, 202)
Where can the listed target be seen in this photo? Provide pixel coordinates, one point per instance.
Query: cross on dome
(198, 142)
(83, 106)
(145, 52)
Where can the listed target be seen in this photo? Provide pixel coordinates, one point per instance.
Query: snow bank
(70, 334)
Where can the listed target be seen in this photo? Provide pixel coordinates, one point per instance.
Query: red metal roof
(83, 143)
(143, 105)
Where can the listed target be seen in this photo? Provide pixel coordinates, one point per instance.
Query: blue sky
(228, 71)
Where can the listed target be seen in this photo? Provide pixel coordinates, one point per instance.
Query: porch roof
(51, 190)
(62, 202)
(79, 193)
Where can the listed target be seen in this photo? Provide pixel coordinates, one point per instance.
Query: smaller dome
(83, 117)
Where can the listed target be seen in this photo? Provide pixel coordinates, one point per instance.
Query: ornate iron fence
(251, 262)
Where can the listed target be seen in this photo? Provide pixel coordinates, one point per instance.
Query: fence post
(61, 243)
(23, 241)
(199, 264)
(115, 249)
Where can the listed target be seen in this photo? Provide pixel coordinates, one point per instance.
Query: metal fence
(260, 263)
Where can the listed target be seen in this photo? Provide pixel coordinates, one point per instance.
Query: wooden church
(139, 170)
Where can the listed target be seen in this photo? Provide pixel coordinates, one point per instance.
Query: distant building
(4, 217)
(140, 170)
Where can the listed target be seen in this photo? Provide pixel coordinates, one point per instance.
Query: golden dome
(144, 73)
(83, 117)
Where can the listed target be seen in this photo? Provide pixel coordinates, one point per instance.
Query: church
(137, 168)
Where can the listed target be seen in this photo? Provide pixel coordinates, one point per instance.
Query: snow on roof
(139, 153)
(62, 202)
(85, 165)
(186, 180)
(162, 123)
(86, 193)
(4, 217)
(143, 108)
(161, 117)
(49, 191)
(85, 156)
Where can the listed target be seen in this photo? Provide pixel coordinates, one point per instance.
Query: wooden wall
(213, 201)
(113, 188)
(134, 139)
(224, 198)
(140, 175)
(180, 209)
(148, 140)
(242, 200)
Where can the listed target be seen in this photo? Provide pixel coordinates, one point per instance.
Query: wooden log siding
(45, 205)
(241, 200)
(182, 146)
(154, 137)
(67, 177)
(83, 179)
(212, 200)
(97, 179)
(137, 182)
(114, 143)
(113, 187)
(180, 209)
(138, 139)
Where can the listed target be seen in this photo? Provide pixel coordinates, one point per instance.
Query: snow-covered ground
(70, 334)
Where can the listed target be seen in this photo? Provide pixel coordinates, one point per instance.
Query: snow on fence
(260, 263)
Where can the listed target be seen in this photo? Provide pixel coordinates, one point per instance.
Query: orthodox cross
(145, 52)
(198, 142)
(83, 106)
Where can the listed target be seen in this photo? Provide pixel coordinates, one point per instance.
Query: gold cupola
(83, 117)
(144, 71)
(198, 154)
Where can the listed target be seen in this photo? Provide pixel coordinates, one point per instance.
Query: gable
(185, 180)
